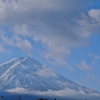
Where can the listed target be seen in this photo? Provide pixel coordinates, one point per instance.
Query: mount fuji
(29, 74)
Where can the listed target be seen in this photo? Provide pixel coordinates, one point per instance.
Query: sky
(61, 34)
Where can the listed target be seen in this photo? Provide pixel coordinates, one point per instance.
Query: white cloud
(16, 41)
(23, 44)
(95, 13)
(65, 93)
(84, 66)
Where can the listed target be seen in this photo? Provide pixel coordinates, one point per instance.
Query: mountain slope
(29, 74)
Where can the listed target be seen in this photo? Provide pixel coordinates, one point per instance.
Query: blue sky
(62, 34)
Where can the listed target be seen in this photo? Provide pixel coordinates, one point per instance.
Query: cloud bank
(58, 25)
(65, 93)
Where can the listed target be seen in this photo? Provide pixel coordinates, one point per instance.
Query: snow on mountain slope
(29, 74)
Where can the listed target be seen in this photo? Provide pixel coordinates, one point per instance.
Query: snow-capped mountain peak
(27, 73)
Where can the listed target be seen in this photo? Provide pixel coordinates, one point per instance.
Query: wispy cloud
(16, 41)
(2, 49)
(84, 66)
(97, 57)
(46, 72)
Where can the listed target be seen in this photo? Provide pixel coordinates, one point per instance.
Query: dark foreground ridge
(20, 98)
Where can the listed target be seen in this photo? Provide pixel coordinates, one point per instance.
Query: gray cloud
(58, 25)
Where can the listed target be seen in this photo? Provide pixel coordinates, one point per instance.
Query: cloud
(16, 41)
(97, 57)
(84, 66)
(46, 72)
(95, 13)
(94, 56)
(58, 25)
(65, 93)
(1, 48)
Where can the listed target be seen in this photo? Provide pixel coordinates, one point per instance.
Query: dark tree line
(45, 99)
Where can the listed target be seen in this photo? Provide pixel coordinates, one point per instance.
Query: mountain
(27, 73)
